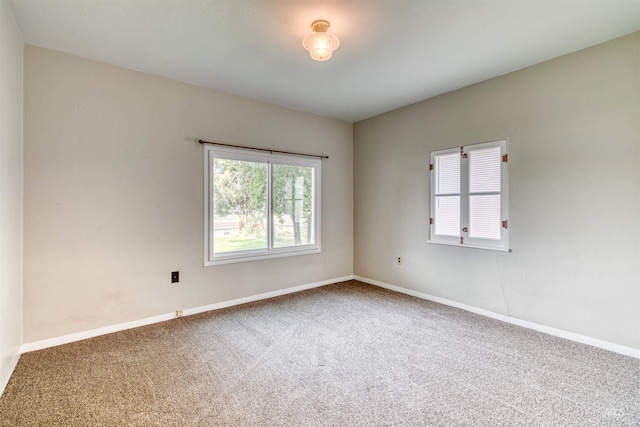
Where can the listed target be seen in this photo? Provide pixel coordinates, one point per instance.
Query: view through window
(260, 206)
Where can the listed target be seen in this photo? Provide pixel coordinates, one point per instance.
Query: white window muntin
(467, 198)
(212, 152)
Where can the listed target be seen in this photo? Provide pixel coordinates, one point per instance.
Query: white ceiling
(393, 52)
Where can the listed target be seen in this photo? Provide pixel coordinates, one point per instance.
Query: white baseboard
(7, 376)
(616, 348)
(79, 336)
(65, 339)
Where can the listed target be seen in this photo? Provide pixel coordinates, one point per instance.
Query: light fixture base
(320, 26)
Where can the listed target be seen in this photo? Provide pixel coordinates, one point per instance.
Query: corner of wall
(11, 190)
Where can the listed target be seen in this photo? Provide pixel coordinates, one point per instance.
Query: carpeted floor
(347, 354)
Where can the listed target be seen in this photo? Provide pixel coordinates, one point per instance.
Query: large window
(259, 205)
(469, 196)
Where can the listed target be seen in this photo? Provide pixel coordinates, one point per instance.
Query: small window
(259, 206)
(469, 196)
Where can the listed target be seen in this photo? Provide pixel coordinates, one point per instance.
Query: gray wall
(11, 48)
(573, 131)
(113, 194)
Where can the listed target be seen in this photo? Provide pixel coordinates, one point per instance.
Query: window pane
(484, 217)
(484, 170)
(447, 176)
(239, 205)
(292, 205)
(447, 212)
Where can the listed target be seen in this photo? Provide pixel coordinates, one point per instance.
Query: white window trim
(501, 245)
(211, 152)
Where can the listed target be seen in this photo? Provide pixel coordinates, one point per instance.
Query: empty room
(319, 213)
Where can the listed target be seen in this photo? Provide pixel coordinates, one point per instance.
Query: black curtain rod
(263, 149)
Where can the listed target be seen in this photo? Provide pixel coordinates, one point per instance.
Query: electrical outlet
(178, 313)
(175, 276)
(399, 260)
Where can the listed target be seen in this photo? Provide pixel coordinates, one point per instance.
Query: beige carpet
(348, 354)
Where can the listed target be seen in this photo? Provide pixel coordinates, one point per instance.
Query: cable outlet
(178, 313)
(399, 260)
(175, 276)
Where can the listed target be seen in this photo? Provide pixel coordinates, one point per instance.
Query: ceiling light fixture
(320, 44)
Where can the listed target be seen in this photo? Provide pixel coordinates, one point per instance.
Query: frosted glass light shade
(320, 44)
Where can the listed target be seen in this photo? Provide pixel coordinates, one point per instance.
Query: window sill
(490, 248)
(235, 258)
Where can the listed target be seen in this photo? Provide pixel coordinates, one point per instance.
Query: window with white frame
(259, 205)
(469, 196)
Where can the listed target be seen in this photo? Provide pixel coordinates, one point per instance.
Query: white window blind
(447, 197)
(468, 196)
(484, 192)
